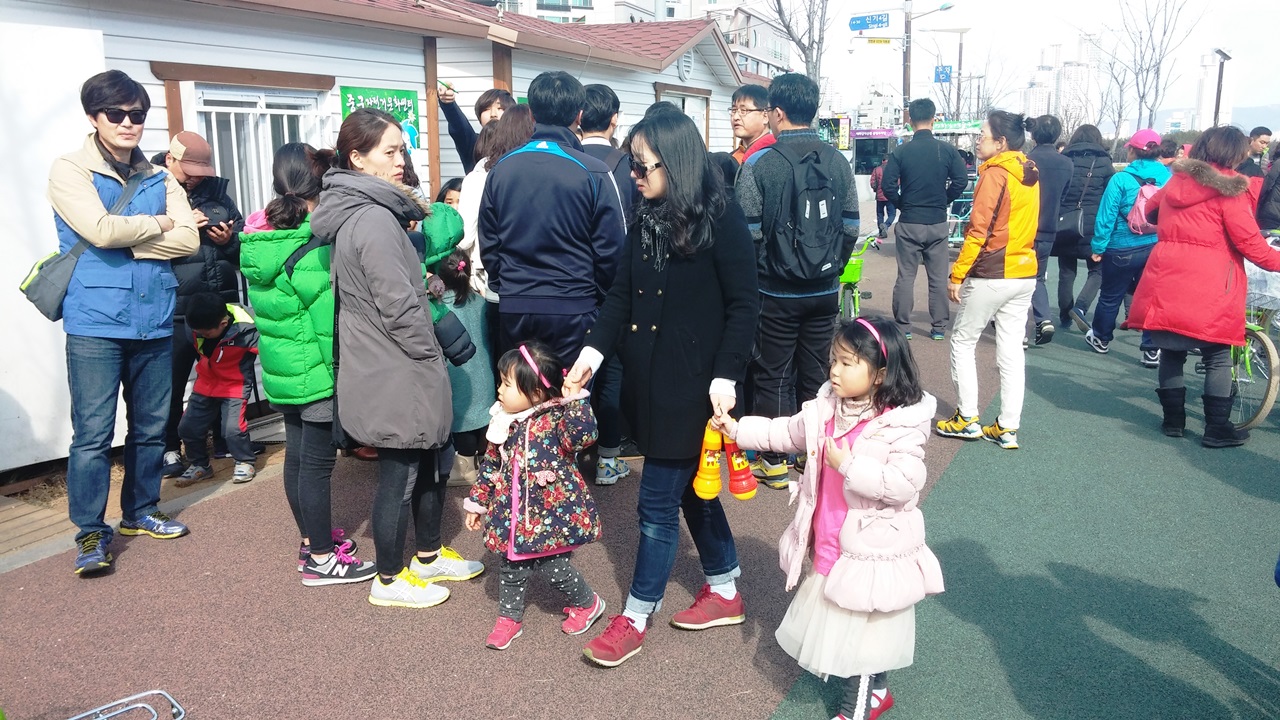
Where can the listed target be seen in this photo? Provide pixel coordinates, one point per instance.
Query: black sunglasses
(115, 116)
(641, 170)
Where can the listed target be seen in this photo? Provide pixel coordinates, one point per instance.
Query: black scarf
(656, 222)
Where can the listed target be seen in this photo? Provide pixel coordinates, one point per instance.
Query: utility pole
(906, 62)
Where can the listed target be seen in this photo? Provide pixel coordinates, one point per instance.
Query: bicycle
(1255, 372)
(850, 296)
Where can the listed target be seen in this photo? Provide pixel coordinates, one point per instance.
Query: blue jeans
(96, 370)
(885, 213)
(1121, 270)
(666, 488)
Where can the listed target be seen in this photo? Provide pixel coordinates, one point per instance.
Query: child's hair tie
(462, 264)
(529, 359)
(875, 334)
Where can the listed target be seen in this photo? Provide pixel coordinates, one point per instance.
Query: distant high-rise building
(881, 107)
(1206, 92)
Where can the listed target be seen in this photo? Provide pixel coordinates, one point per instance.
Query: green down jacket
(288, 274)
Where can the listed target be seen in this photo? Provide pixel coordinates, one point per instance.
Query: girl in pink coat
(854, 614)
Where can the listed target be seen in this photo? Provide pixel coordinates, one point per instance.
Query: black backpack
(803, 242)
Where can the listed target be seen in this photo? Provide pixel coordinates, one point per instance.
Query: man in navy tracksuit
(551, 227)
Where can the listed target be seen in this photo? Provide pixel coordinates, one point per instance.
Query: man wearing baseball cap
(213, 268)
(1122, 251)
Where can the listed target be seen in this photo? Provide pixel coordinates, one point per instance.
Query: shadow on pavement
(1049, 635)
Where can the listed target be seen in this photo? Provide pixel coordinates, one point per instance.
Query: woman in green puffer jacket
(288, 274)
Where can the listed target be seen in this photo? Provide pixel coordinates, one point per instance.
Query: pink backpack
(1137, 217)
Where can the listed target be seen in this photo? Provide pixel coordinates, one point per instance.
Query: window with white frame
(246, 125)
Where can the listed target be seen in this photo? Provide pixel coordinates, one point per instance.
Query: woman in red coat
(1192, 293)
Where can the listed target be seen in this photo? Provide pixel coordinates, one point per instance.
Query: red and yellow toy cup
(706, 484)
(742, 484)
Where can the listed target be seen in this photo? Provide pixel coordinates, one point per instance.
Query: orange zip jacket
(1000, 242)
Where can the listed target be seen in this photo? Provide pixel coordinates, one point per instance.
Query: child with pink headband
(529, 497)
(857, 516)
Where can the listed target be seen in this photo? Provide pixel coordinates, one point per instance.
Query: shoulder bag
(1071, 223)
(47, 282)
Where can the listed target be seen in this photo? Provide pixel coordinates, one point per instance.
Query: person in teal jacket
(473, 382)
(288, 274)
(1122, 252)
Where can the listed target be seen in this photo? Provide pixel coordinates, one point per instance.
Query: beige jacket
(76, 201)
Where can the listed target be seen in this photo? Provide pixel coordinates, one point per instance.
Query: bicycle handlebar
(871, 241)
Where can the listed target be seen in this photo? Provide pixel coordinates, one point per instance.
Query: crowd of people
(573, 288)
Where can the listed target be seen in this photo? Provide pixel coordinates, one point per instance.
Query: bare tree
(1113, 106)
(806, 23)
(1150, 34)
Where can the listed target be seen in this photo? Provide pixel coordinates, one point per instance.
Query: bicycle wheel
(1254, 379)
(848, 302)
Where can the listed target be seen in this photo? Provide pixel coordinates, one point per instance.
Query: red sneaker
(616, 644)
(581, 618)
(710, 610)
(505, 631)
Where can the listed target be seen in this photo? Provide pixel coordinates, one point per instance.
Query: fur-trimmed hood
(1196, 181)
(343, 191)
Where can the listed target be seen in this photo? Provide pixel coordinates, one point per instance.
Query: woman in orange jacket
(994, 277)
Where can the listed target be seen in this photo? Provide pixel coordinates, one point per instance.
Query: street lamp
(906, 50)
(959, 60)
(1217, 98)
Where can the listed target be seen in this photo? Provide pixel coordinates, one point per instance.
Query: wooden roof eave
(367, 16)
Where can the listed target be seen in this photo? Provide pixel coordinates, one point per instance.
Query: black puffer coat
(1269, 201)
(1086, 190)
(210, 197)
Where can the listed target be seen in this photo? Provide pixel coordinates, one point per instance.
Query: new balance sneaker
(611, 470)
(173, 465)
(340, 541)
(448, 565)
(193, 475)
(617, 644)
(710, 610)
(93, 556)
(505, 631)
(408, 591)
(1077, 317)
(244, 473)
(1150, 358)
(157, 525)
(339, 569)
(775, 475)
(580, 619)
(959, 426)
(1006, 438)
(1099, 346)
(1044, 332)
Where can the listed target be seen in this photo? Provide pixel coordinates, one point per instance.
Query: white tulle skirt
(828, 640)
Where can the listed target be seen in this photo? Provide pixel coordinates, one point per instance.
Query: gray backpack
(47, 282)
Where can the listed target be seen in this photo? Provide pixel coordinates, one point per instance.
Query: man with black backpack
(802, 208)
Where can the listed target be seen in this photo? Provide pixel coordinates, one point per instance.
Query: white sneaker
(173, 466)
(610, 470)
(244, 473)
(408, 591)
(448, 565)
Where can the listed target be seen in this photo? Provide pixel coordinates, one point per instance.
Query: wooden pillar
(173, 107)
(502, 67)
(432, 125)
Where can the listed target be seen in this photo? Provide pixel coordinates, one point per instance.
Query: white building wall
(467, 65)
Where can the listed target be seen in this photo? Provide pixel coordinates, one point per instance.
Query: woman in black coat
(682, 312)
(1091, 171)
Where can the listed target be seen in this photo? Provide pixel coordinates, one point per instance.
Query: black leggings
(408, 480)
(849, 704)
(513, 581)
(308, 471)
(1217, 366)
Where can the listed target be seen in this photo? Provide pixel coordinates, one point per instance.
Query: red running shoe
(616, 644)
(505, 631)
(710, 610)
(581, 619)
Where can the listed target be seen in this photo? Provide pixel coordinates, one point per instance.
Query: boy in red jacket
(226, 342)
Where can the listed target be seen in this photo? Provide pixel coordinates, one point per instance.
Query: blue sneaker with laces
(157, 525)
(93, 556)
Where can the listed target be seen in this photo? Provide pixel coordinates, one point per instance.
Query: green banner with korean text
(401, 104)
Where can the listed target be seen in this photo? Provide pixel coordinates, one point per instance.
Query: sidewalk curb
(55, 546)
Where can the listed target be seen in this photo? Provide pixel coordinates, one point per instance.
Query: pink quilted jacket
(884, 563)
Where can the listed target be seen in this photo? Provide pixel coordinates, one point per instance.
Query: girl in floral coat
(529, 497)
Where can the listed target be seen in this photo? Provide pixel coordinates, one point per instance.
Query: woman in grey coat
(392, 388)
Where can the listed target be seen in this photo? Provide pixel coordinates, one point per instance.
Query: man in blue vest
(118, 312)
